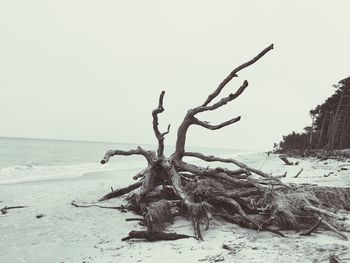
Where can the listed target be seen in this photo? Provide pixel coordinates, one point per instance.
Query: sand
(69, 234)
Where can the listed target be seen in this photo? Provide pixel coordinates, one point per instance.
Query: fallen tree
(170, 187)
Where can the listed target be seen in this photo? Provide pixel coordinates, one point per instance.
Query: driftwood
(246, 196)
(311, 229)
(120, 208)
(328, 225)
(300, 171)
(334, 259)
(120, 192)
(285, 160)
(281, 176)
(6, 208)
(135, 219)
(154, 236)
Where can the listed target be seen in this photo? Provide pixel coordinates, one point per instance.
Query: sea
(23, 159)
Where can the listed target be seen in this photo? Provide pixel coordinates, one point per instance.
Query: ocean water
(37, 159)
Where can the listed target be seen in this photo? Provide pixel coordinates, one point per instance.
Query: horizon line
(134, 143)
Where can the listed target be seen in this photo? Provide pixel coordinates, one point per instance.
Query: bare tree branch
(311, 230)
(241, 193)
(327, 224)
(139, 151)
(223, 176)
(73, 203)
(230, 160)
(121, 191)
(183, 166)
(159, 135)
(223, 101)
(246, 224)
(323, 212)
(234, 74)
(190, 119)
(167, 131)
(218, 126)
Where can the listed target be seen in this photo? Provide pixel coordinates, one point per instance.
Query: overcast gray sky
(93, 70)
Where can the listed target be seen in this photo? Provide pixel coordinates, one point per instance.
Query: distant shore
(317, 153)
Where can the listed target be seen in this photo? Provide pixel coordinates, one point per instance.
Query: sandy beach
(69, 234)
(194, 99)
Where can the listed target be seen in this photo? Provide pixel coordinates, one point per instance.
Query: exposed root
(197, 213)
(328, 225)
(311, 229)
(245, 224)
(158, 213)
(323, 212)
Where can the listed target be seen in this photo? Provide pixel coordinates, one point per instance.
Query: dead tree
(169, 186)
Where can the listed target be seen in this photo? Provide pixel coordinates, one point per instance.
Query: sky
(93, 70)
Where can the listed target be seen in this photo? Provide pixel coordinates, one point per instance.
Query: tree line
(330, 126)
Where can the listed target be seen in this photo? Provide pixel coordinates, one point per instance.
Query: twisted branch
(183, 166)
(237, 207)
(73, 203)
(4, 209)
(218, 126)
(139, 151)
(230, 160)
(234, 74)
(223, 101)
(190, 119)
(159, 135)
(121, 191)
(330, 227)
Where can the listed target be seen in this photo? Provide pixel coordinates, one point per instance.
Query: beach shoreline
(69, 234)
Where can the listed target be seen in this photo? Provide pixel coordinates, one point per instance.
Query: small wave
(31, 172)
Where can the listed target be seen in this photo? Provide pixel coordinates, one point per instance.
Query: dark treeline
(330, 127)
